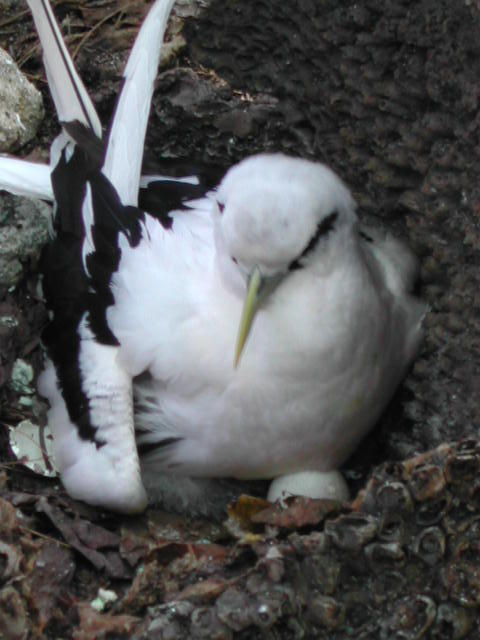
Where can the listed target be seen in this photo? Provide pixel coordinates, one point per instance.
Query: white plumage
(328, 330)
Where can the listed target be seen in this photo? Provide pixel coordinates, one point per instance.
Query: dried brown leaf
(10, 561)
(201, 592)
(8, 519)
(49, 580)
(94, 625)
(297, 512)
(240, 521)
(95, 536)
(14, 621)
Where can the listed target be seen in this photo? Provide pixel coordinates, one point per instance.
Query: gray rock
(24, 229)
(189, 8)
(22, 377)
(21, 106)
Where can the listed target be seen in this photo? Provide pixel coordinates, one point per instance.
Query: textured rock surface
(21, 106)
(23, 232)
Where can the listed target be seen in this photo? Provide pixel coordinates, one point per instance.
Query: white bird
(253, 332)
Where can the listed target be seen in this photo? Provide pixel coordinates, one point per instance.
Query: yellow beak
(249, 310)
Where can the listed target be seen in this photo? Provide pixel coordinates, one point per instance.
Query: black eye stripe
(365, 236)
(323, 228)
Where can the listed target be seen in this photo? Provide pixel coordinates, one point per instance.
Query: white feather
(87, 214)
(23, 178)
(126, 140)
(85, 467)
(71, 99)
(148, 179)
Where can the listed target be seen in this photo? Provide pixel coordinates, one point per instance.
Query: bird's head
(276, 215)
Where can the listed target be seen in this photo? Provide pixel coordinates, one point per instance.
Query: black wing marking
(72, 292)
(160, 197)
(93, 146)
(65, 286)
(111, 218)
(364, 235)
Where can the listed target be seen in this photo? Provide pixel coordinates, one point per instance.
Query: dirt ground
(387, 94)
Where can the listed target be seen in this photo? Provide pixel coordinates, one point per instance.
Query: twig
(95, 28)
(14, 18)
(43, 536)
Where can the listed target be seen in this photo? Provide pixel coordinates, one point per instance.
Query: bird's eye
(234, 260)
(221, 207)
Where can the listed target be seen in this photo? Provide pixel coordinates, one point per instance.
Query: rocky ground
(387, 94)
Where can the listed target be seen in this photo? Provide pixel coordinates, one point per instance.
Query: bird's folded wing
(93, 416)
(158, 193)
(98, 464)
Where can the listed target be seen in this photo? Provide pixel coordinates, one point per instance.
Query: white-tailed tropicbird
(253, 331)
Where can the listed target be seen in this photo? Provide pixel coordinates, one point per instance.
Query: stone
(21, 106)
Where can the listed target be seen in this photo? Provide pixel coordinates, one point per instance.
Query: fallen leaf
(95, 536)
(201, 592)
(10, 566)
(146, 588)
(165, 553)
(297, 512)
(48, 581)
(134, 547)
(213, 552)
(32, 446)
(94, 625)
(20, 498)
(3, 480)
(240, 521)
(8, 519)
(14, 621)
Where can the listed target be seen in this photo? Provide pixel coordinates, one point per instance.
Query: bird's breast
(312, 378)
